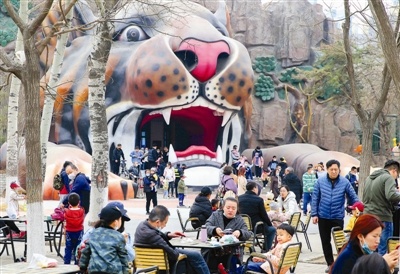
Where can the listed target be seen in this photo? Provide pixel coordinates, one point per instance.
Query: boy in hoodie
(380, 195)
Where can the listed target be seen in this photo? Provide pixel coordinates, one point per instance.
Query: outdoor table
(189, 243)
(23, 268)
(23, 219)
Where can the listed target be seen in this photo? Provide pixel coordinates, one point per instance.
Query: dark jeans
(181, 196)
(324, 227)
(176, 186)
(151, 196)
(258, 171)
(306, 200)
(269, 235)
(171, 188)
(72, 240)
(115, 167)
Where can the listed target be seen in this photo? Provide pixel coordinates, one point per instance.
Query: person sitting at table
(149, 233)
(105, 252)
(74, 218)
(287, 205)
(222, 222)
(253, 205)
(17, 194)
(201, 207)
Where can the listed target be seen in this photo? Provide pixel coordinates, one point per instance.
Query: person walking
(309, 180)
(294, 183)
(116, 159)
(150, 188)
(327, 206)
(380, 195)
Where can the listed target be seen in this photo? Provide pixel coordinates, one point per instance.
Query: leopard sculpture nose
(203, 59)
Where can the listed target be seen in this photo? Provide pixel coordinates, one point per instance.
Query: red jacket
(74, 219)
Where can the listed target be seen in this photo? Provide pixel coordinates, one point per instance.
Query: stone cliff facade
(290, 31)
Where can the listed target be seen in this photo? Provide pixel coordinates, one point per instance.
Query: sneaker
(327, 269)
(147, 213)
(16, 235)
(22, 234)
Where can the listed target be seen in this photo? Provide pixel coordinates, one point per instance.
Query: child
(284, 234)
(181, 190)
(356, 210)
(74, 216)
(215, 204)
(165, 187)
(105, 251)
(17, 194)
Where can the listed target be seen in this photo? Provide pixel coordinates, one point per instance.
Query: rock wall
(291, 31)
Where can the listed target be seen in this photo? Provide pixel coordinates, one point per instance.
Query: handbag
(58, 214)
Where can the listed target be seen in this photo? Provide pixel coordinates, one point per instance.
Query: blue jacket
(328, 199)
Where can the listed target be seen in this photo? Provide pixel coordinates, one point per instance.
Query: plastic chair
(339, 238)
(392, 243)
(290, 257)
(303, 229)
(149, 256)
(189, 220)
(295, 222)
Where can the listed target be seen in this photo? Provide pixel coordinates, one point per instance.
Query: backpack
(58, 184)
(221, 190)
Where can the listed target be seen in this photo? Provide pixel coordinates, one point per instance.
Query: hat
(206, 191)
(358, 205)
(14, 185)
(110, 214)
(121, 208)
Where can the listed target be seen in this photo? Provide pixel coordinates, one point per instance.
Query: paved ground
(310, 262)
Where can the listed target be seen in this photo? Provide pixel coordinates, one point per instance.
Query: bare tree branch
(35, 24)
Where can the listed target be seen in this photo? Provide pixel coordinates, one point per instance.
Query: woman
(201, 207)
(227, 221)
(105, 252)
(169, 176)
(287, 205)
(371, 264)
(364, 239)
(242, 182)
(229, 183)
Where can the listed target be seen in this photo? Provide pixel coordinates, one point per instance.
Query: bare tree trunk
(101, 43)
(366, 155)
(12, 122)
(50, 94)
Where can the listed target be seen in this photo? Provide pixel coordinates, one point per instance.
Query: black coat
(295, 185)
(253, 205)
(201, 209)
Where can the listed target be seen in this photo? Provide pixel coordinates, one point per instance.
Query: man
(327, 206)
(294, 183)
(152, 157)
(150, 188)
(308, 187)
(165, 155)
(116, 159)
(178, 172)
(80, 186)
(352, 177)
(235, 155)
(148, 233)
(253, 205)
(273, 164)
(380, 196)
(136, 155)
(283, 165)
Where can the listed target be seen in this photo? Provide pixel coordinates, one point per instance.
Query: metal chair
(303, 229)
(54, 236)
(148, 270)
(289, 259)
(258, 238)
(6, 242)
(189, 220)
(339, 238)
(149, 256)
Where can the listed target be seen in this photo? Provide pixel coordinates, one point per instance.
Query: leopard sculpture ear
(222, 14)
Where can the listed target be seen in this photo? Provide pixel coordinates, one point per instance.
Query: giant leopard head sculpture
(174, 77)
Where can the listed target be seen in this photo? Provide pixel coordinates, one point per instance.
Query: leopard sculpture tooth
(172, 155)
(219, 155)
(227, 116)
(166, 113)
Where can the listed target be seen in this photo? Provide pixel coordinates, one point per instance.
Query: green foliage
(8, 30)
(264, 64)
(264, 88)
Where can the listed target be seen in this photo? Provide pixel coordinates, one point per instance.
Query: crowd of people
(321, 192)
